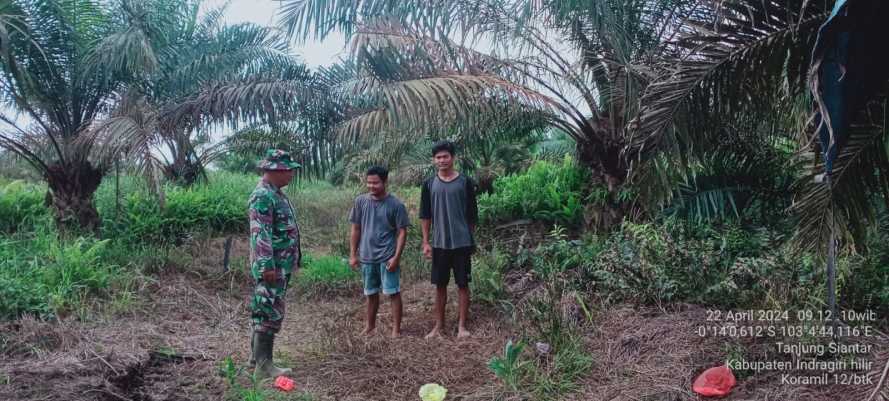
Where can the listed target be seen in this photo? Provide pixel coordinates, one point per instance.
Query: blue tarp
(850, 64)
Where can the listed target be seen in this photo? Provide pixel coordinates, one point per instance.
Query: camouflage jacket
(274, 234)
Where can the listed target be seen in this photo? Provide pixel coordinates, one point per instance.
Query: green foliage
(487, 277)
(21, 204)
(242, 162)
(237, 392)
(727, 265)
(559, 374)
(863, 281)
(325, 273)
(561, 358)
(210, 208)
(507, 368)
(42, 276)
(547, 191)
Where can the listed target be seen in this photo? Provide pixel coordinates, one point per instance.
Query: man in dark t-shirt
(379, 229)
(448, 211)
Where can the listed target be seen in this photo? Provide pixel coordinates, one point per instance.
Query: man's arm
(399, 248)
(354, 237)
(262, 217)
(425, 226)
(355, 234)
(471, 204)
(426, 218)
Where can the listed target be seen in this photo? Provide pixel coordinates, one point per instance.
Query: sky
(264, 12)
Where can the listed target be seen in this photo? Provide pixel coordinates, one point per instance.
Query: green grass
(41, 275)
(21, 206)
(487, 277)
(326, 273)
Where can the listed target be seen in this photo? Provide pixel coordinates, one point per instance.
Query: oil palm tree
(435, 65)
(62, 64)
(201, 54)
(748, 63)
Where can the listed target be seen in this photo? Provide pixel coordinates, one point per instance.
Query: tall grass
(41, 275)
(21, 206)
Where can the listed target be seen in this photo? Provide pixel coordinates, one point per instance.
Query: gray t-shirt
(380, 221)
(452, 208)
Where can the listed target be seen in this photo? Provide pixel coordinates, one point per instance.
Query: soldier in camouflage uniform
(274, 256)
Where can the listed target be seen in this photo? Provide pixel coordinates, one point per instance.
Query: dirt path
(171, 347)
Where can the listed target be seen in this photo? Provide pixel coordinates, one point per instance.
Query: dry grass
(197, 314)
(647, 354)
(336, 362)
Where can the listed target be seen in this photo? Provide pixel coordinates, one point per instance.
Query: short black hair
(444, 146)
(379, 171)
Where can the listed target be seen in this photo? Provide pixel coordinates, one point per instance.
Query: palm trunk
(71, 190)
(610, 170)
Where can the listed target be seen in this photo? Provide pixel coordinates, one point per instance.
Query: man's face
(281, 177)
(375, 185)
(444, 160)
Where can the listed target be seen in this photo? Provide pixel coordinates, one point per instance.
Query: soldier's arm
(262, 217)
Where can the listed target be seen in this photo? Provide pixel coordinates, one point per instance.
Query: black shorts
(444, 260)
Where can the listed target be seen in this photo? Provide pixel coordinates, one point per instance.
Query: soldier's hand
(353, 262)
(270, 277)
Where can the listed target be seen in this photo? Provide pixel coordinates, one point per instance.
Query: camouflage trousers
(267, 305)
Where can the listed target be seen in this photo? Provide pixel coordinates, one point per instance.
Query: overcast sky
(264, 12)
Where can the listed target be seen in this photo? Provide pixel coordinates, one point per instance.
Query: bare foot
(368, 331)
(463, 333)
(435, 333)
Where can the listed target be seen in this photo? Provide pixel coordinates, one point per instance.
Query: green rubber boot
(263, 345)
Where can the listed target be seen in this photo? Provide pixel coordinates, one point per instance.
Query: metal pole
(831, 260)
(225, 258)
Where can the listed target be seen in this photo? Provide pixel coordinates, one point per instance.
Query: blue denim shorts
(377, 278)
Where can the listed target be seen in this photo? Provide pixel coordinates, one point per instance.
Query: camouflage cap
(277, 159)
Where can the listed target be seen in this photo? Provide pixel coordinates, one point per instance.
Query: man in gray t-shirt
(379, 230)
(448, 212)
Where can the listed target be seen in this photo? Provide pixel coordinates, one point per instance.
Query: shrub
(863, 280)
(552, 325)
(21, 204)
(727, 266)
(487, 277)
(547, 192)
(42, 276)
(214, 208)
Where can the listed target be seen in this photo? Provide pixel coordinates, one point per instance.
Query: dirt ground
(171, 345)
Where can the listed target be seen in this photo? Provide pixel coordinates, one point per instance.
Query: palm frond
(860, 178)
(250, 100)
(741, 61)
(306, 19)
